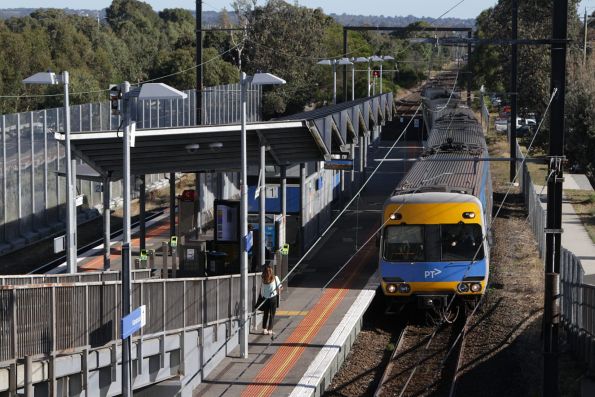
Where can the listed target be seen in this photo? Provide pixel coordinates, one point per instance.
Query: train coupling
(432, 301)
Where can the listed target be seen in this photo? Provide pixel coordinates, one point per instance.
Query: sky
(427, 8)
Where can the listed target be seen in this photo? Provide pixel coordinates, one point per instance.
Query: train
(434, 243)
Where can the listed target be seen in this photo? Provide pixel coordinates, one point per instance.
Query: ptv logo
(432, 273)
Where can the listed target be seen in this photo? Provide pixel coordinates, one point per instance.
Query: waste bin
(216, 263)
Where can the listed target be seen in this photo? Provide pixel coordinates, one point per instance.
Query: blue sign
(134, 321)
(273, 204)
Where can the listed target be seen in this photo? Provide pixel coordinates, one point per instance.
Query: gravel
(503, 350)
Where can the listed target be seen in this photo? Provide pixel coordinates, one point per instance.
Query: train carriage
(434, 242)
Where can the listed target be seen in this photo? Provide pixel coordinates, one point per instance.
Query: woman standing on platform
(270, 292)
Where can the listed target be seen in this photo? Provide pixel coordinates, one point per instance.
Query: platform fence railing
(577, 303)
(32, 194)
(50, 319)
(86, 277)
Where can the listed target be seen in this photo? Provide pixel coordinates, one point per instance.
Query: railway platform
(322, 310)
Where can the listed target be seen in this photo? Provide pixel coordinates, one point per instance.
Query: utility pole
(199, 72)
(345, 66)
(554, 202)
(469, 35)
(513, 90)
(585, 39)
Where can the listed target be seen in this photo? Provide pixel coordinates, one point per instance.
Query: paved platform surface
(310, 313)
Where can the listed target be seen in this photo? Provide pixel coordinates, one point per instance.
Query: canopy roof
(304, 137)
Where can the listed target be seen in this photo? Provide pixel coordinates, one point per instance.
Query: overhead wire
(488, 230)
(251, 315)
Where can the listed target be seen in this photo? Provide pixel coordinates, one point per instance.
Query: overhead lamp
(216, 146)
(344, 61)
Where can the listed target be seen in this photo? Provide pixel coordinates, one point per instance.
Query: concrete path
(575, 237)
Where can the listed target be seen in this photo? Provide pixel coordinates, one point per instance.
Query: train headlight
(404, 288)
(391, 288)
(475, 287)
(468, 215)
(462, 287)
(395, 216)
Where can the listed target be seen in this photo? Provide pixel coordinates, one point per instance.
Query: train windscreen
(429, 243)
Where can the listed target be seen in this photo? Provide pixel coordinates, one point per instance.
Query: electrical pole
(554, 202)
(345, 66)
(199, 72)
(469, 35)
(513, 90)
(585, 39)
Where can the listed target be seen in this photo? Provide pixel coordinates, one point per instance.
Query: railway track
(425, 361)
(56, 262)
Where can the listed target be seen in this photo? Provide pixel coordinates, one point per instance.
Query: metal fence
(577, 308)
(50, 319)
(32, 195)
(87, 277)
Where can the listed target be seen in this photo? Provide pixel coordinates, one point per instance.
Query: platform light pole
(257, 79)
(53, 79)
(377, 59)
(364, 60)
(146, 91)
(333, 63)
(345, 62)
(384, 59)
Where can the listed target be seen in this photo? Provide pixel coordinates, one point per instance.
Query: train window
(433, 243)
(461, 242)
(404, 243)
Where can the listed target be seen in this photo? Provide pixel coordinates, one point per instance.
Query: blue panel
(132, 322)
(433, 271)
(273, 205)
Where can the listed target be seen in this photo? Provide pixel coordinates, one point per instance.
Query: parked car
(524, 130)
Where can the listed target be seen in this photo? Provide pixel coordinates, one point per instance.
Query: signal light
(469, 215)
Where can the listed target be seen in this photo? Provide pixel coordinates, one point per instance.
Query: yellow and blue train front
(433, 246)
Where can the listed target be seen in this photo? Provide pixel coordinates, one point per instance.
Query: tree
(580, 114)
(280, 42)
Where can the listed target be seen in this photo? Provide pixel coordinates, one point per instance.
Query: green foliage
(580, 114)
(134, 44)
(280, 42)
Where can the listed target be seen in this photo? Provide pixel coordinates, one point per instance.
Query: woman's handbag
(259, 303)
(278, 293)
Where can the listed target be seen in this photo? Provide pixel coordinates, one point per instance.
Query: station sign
(134, 321)
(143, 255)
(338, 165)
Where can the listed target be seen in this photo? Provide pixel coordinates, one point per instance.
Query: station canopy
(304, 137)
